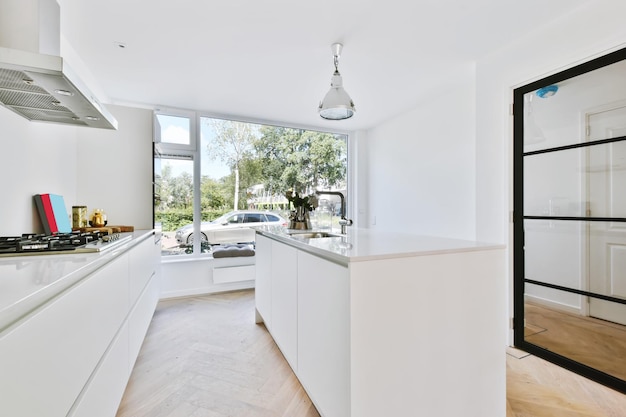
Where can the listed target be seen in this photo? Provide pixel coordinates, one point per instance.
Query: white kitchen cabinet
(284, 293)
(306, 300)
(324, 333)
(72, 355)
(102, 395)
(49, 357)
(263, 281)
(380, 332)
(103, 392)
(142, 266)
(145, 288)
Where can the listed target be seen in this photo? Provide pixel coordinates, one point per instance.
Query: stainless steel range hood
(35, 82)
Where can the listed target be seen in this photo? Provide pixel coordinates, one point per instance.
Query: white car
(232, 227)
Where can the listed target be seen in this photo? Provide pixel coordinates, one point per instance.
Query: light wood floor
(597, 343)
(205, 357)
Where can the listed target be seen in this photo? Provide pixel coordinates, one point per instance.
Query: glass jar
(79, 217)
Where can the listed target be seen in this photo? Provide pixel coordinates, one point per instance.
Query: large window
(210, 186)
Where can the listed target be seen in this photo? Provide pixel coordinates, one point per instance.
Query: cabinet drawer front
(263, 280)
(284, 301)
(142, 267)
(47, 359)
(324, 334)
(102, 396)
(140, 317)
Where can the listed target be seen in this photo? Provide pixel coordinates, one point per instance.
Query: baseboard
(552, 304)
(214, 289)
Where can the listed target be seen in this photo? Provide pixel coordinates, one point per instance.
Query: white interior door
(607, 198)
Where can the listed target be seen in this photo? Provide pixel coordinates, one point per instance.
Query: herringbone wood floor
(205, 357)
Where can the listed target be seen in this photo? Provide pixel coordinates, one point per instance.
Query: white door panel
(607, 198)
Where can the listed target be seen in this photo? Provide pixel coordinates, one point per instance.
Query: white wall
(115, 168)
(35, 158)
(420, 166)
(590, 31)
(107, 169)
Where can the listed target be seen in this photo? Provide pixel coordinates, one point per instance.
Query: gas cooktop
(75, 242)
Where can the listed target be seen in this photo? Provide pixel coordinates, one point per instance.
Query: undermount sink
(312, 235)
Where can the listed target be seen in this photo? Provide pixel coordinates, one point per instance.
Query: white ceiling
(271, 59)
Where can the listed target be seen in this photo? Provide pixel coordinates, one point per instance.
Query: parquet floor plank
(205, 357)
(597, 343)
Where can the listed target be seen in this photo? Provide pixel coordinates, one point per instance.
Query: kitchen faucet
(343, 222)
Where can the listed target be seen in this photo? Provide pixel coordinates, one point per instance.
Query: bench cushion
(232, 251)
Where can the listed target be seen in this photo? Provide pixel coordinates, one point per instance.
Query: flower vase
(300, 219)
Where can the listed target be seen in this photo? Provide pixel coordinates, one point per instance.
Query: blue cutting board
(60, 213)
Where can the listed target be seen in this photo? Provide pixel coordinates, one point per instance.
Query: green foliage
(214, 194)
(233, 145)
(301, 159)
(172, 219)
(209, 215)
(173, 192)
(233, 141)
(250, 171)
(175, 218)
(309, 202)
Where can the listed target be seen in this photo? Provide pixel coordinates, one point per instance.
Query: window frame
(175, 147)
(193, 152)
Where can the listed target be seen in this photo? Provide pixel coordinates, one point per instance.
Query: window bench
(205, 275)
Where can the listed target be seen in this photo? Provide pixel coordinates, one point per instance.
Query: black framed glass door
(570, 219)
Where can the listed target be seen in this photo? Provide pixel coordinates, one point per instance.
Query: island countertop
(359, 244)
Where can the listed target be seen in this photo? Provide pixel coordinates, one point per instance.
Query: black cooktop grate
(34, 243)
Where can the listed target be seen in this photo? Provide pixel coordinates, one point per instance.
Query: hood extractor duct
(35, 82)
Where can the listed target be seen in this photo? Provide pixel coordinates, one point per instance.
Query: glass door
(570, 219)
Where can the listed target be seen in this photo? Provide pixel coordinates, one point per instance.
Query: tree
(181, 191)
(211, 194)
(233, 142)
(301, 160)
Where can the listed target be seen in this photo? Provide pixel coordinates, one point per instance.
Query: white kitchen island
(388, 324)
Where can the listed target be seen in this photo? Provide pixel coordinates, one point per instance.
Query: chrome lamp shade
(337, 104)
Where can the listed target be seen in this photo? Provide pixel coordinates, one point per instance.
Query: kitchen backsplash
(105, 169)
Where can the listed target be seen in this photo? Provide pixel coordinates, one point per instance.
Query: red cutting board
(53, 213)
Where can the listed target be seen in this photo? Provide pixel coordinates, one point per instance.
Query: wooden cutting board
(109, 229)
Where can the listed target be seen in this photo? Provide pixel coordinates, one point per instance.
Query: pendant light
(337, 104)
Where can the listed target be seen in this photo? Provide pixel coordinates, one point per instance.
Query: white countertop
(28, 281)
(369, 244)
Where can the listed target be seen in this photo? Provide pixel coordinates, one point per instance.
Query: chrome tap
(343, 222)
